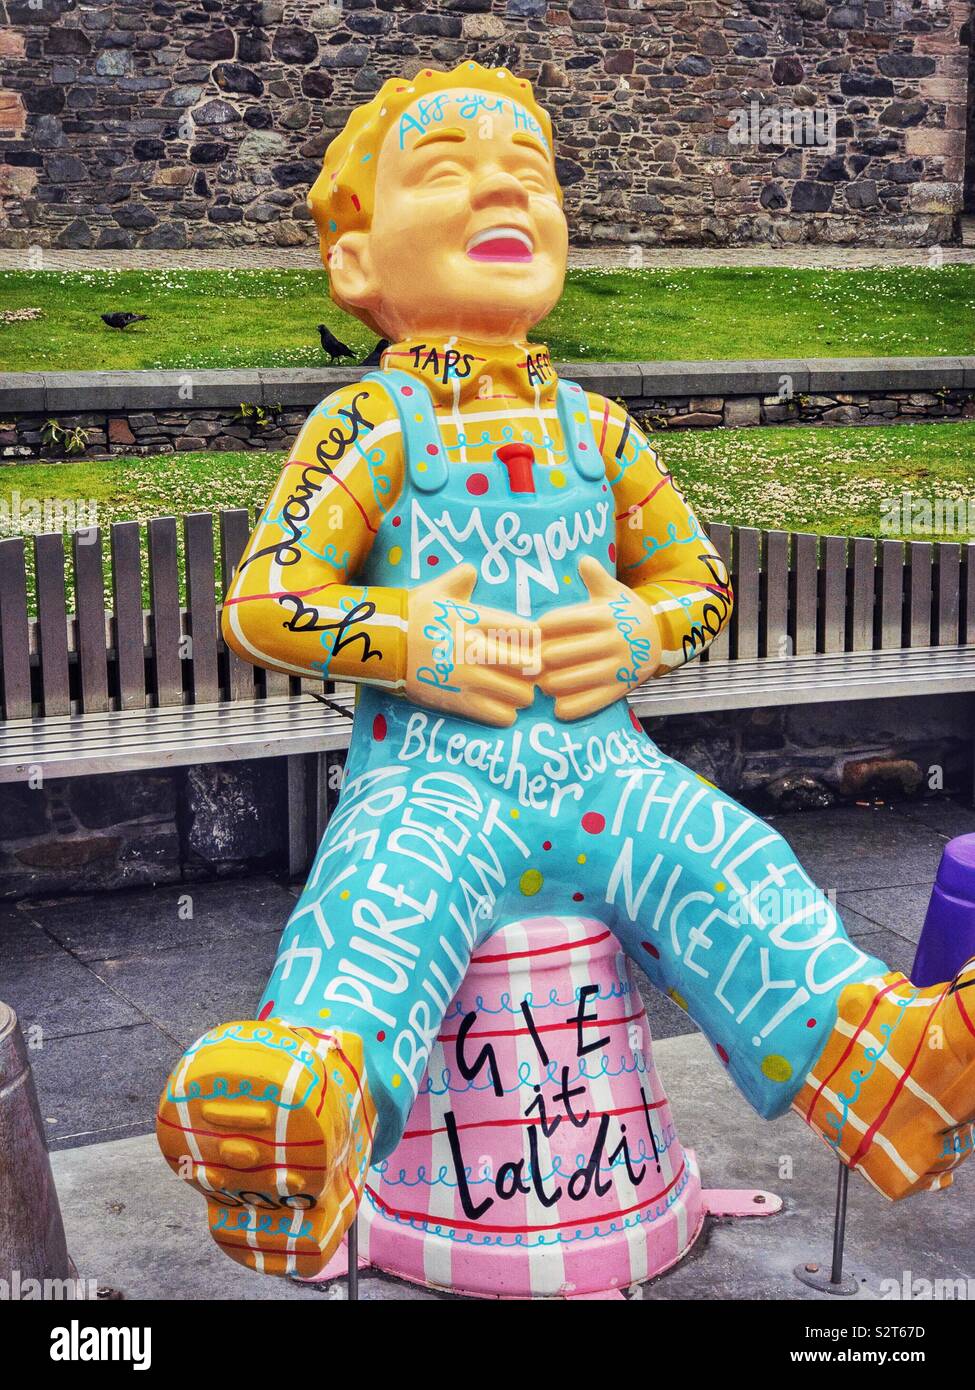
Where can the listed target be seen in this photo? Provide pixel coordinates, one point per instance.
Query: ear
(350, 269)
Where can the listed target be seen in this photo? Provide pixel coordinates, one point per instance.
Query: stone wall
(142, 412)
(155, 123)
(129, 830)
(180, 431)
(89, 834)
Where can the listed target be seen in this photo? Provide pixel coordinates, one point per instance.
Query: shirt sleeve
(294, 605)
(661, 551)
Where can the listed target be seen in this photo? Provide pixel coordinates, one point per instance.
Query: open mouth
(500, 244)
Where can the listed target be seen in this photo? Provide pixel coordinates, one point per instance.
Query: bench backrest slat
(234, 532)
(745, 577)
(832, 595)
(89, 608)
(947, 594)
(166, 625)
(14, 629)
(774, 637)
(201, 613)
(862, 595)
(794, 594)
(52, 623)
(130, 647)
(919, 593)
(804, 585)
(891, 595)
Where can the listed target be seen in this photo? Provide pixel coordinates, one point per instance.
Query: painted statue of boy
(498, 557)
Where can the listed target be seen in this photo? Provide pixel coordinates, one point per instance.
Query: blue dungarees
(447, 829)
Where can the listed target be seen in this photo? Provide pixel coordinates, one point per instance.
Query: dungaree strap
(426, 457)
(577, 430)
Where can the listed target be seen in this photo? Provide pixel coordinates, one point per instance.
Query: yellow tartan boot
(893, 1091)
(273, 1124)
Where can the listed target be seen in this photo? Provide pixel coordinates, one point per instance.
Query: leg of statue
(276, 1120)
(714, 905)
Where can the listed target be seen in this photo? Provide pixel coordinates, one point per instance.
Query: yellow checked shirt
(347, 469)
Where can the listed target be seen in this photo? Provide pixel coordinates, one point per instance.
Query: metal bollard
(32, 1244)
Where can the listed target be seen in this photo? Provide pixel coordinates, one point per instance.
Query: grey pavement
(119, 984)
(598, 257)
(133, 1226)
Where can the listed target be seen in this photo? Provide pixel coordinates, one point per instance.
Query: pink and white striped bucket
(540, 1158)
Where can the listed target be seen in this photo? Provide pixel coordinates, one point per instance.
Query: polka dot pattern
(530, 882)
(776, 1067)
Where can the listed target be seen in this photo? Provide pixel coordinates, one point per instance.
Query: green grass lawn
(833, 481)
(244, 318)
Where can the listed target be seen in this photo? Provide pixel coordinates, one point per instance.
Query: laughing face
(468, 235)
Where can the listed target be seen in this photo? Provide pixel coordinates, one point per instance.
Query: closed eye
(446, 169)
(534, 180)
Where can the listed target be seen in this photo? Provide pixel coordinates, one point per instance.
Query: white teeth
(496, 234)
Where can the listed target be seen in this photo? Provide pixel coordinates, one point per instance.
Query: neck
(457, 370)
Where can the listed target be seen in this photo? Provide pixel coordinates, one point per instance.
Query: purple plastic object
(948, 938)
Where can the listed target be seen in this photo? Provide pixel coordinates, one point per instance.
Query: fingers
(579, 618)
(503, 640)
(499, 685)
(568, 651)
(492, 712)
(572, 680)
(577, 706)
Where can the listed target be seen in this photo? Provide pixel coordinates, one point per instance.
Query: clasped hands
(484, 664)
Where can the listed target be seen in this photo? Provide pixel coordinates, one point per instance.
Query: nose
(498, 186)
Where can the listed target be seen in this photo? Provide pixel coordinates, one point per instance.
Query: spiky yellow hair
(342, 198)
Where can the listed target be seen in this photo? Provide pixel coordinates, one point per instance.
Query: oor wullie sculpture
(498, 557)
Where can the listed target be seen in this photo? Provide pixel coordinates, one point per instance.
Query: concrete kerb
(83, 392)
(885, 373)
(724, 378)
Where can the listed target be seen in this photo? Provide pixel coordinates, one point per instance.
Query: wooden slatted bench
(817, 619)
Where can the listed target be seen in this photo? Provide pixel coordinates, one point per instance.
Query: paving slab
(948, 818)
(852, 847)
(131, 1224)
(21, 938)
(100, 1085)
(115, 926)
(901, 910)
(191, 988)
(894, 950)
(59, 995)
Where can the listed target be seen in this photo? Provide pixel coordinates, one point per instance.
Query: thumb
(599, 583)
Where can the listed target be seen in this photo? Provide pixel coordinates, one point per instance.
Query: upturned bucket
(540, 1158)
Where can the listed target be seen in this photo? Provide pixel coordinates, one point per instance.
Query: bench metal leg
(307, 809)
(297, 815)
(321, 797)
